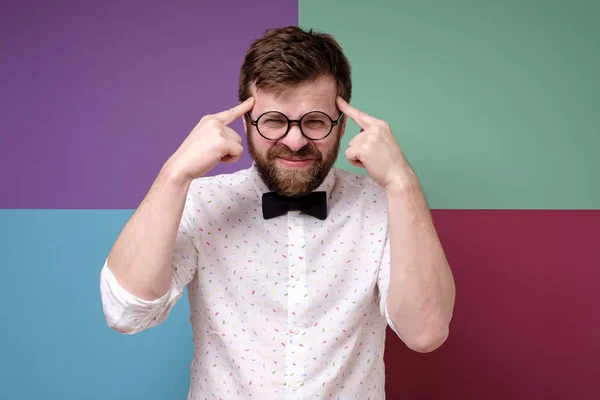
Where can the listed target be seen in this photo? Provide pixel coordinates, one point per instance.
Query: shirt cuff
(390, 322)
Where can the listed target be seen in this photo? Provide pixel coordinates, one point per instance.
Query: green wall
(495, 103)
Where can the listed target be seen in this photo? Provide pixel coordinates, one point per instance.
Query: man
(293, 268)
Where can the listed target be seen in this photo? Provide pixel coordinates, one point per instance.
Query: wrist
(174, 174)
(403, 181)
(405, 187)
(406, 194)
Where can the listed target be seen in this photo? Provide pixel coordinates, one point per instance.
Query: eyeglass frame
(334, 123)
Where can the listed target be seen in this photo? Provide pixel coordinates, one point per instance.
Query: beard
(291, 181)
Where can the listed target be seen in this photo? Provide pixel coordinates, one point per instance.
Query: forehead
(299, 99)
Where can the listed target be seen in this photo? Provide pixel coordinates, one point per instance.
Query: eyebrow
(336, 112)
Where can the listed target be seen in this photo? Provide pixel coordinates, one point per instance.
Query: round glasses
(315, 125)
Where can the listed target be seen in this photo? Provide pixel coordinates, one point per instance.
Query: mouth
(295, 162)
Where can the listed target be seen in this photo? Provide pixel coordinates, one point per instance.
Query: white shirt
(286, 308)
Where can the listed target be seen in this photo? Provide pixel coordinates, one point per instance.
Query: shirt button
(295, 387)
(297, 276)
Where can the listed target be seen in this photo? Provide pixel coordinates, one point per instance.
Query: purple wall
(97, 95)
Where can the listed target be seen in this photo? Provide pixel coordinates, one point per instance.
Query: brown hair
(288, 56)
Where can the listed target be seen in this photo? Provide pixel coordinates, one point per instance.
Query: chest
(294, 262)
(347, 246)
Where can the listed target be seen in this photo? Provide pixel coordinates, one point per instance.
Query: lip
(295, 163)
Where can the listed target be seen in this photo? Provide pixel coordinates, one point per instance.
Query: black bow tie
(275, 205)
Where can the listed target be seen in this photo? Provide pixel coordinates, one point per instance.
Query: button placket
(296, 299)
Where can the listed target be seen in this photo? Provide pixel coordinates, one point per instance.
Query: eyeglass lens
(314, 125)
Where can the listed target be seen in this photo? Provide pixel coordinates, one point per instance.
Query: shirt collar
(261, 188)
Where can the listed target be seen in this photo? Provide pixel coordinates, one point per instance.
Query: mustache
(281, 150)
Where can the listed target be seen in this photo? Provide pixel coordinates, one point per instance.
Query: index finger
(360, 117)
(228, 116)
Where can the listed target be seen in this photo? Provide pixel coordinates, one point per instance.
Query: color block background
(494, 103)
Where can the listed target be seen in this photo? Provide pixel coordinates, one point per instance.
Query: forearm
(140, 259)
(421, 292)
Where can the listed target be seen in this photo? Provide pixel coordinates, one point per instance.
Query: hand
(376, 149)
(210, 142)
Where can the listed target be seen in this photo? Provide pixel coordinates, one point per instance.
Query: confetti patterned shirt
(286, 308)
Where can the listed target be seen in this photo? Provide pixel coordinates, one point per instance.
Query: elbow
(423, 334)
(117, 323)
(123, 329)
(130, 319)
(428, 341)
(124, 312)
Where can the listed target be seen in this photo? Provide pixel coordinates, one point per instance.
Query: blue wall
(55, 341)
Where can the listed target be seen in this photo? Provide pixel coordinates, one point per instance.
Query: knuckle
(213, 123)
(209, 121)
(382, 125)
(220, 141)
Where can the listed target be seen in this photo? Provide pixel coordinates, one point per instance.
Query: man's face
(295, 165)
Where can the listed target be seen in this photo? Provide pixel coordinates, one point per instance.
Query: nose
(295, 140)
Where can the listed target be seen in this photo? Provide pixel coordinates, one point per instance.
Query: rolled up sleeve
(129, 314)
(383, 284)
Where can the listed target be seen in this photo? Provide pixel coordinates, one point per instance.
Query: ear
(245, 122)
(343, 126)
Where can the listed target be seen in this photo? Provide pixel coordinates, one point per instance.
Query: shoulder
(221, 182)
(359, 197)
(359, 192)
(350, 184)
(216, 190)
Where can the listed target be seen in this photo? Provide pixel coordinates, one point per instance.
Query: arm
(156, 247)
(140, 259)
(421, 292)
(154, 256)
